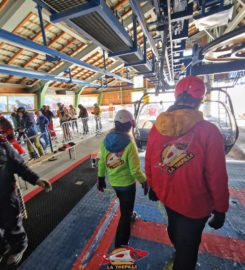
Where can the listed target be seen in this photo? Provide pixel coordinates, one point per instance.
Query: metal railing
(75, 131)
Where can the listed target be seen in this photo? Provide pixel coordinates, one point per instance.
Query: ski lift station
(70, 72)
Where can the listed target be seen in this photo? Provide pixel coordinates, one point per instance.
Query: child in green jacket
(119, 160)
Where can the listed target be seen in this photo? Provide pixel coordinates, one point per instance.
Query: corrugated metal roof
(59, 40)
(29, 28)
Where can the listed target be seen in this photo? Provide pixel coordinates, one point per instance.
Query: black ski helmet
(21, 110)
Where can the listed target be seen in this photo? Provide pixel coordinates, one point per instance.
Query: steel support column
(77, 96)
(41, 95)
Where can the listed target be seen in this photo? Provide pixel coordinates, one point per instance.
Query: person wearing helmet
(13, 238)
(7, 131)
(27, 126)
(186, 171)
(119, 160)
(97, 112)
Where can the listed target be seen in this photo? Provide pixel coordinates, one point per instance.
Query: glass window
(88, 101)
(137, 95)
(52, 100)
(3, 104)
(138, 81)
(28, 102)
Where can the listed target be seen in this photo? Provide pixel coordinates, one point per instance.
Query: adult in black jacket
(13, 239)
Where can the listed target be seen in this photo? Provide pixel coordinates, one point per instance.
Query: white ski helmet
(124, 116)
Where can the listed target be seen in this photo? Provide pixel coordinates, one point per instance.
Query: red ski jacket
(185, 164)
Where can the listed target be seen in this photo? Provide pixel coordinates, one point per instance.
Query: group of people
(68, 119)
(13, 238)
(185, 170)
(26, 126)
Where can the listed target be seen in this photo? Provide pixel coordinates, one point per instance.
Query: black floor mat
(46, 210)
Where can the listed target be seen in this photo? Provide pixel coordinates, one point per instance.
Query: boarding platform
(74, 226)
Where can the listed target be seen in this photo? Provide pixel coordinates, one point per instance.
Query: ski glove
(145, 187)
(217, 220)
(152, 195)
(101, 184)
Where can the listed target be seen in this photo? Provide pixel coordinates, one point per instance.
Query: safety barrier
(73, 131)
(80, 128)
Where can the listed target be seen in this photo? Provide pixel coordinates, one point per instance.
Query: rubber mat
(63, 245)
(47, 210)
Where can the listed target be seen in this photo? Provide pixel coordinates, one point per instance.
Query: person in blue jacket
(27, 127)
(43, 122)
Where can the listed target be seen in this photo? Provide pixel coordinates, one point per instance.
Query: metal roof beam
(218, 68)
(28, 44)
(114, 66)
(140, 16)
(91, 47)
(234, 23)
(30, 73)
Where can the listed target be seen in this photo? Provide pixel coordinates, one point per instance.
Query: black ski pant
(12, 231)
(185, 234)
(126, 196)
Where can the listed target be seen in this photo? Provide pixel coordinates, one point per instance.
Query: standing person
(73, 113)
(27, 126)
(186, 170)
(49, 114)
(83, 114)
(42, 122)
(64, 117)
(7, 131)
(13, 238)
(97, 112)
(119, 160)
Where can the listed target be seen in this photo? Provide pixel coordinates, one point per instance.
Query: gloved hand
(101, 184)
(44, 184)
(217, 220)
(152, 195)
(145, 187)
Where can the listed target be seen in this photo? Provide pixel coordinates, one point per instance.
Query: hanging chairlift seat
(217, 111)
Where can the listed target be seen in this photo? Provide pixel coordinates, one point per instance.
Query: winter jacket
(48, 114)
(96, 111)
(73, 113)
(27, 123)
(83, 113)
(185, 164)
(42, 122)
(63, 115)
(12, 164)
(119, 159)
